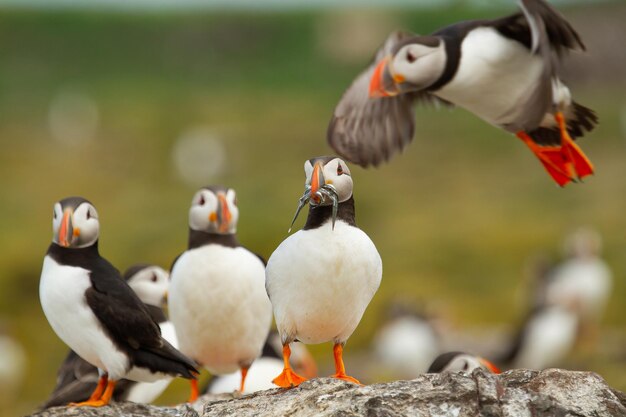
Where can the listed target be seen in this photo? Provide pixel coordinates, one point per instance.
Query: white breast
(62, 294)
(320, 281)
(219, 307)
(549, 338)
(495, 76)
(585, 282)
(259, 377)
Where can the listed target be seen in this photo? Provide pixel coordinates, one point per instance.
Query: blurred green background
(99, 103)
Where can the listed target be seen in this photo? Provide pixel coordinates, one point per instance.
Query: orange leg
(287, 378)
(579, 160)
(244, 373)
(554, 160)
(103, 400)
(195, 392)
(340, 369)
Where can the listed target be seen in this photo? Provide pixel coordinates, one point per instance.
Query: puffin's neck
(156, 313)
(318, 215)
(73, 256)
(199, 238)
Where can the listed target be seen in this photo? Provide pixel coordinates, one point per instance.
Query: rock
(517, 393)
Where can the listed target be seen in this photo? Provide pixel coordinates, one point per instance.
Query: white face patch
(419, 65)
(151, 285)
(463, 363)
(84, 222)
(214, 213)
(337, 174)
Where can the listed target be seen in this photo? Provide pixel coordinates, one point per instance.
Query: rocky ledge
(516, 393)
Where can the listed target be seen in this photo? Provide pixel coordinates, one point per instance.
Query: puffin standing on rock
(95, 312)
(321, 279)
(503, 70)
(76, 378)
(217, 298)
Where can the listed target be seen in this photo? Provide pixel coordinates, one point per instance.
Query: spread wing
(369, 131)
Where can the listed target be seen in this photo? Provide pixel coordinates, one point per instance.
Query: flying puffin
(77, 378)
(321, 278)
(460, 362)
(217, 298)
(95, 312)
(265, 368)
(505, 71)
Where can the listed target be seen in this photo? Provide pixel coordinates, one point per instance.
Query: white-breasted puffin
(95, 312)
(265, 368)
(407, 342)
(77, 378)
(321, 278)
(460, 362)
(217, 298)
(584, 278)
(505, 71)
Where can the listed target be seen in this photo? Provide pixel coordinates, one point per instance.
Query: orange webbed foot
(91, 403)
(554, 159)
(288, 379)
(347, 378)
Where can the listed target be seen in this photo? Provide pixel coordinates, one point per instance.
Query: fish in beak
(318, 193)
(383, 82)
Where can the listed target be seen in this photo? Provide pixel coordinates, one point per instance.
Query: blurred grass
(455, 217)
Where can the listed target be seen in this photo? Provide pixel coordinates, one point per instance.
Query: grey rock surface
(517, 393)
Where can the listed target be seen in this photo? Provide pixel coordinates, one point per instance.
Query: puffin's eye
(465, 366)
(153, 278)
(54, 214)
(88, 214)
(410, 57)
(339, 169)
(201, 202)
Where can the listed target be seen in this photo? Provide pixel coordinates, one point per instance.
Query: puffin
(407, 342)
(584, 278)
(460, 362)
(265, 368)
(96, 313)
(77, 378)
(503, 70)
(217, 300)
(322, 278)
(545, 337)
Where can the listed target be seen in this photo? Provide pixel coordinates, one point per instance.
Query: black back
(442, 361)
(123, 316)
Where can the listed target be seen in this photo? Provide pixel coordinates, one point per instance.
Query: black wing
(544, 31)
(369, 131)
(128, 322)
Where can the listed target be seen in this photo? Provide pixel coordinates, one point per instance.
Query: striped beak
(490, 366)
(383, 82)
(66, 232)
(224, 216)
(317, 182)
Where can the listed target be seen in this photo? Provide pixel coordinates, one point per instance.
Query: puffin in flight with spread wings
(504, 70)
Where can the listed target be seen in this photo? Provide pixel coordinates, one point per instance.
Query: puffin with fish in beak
(321, 279)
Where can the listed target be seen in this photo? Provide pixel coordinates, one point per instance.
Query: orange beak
(383, 83)
(65, 232)
(489, 365)
(317, 180)
(225, 215)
